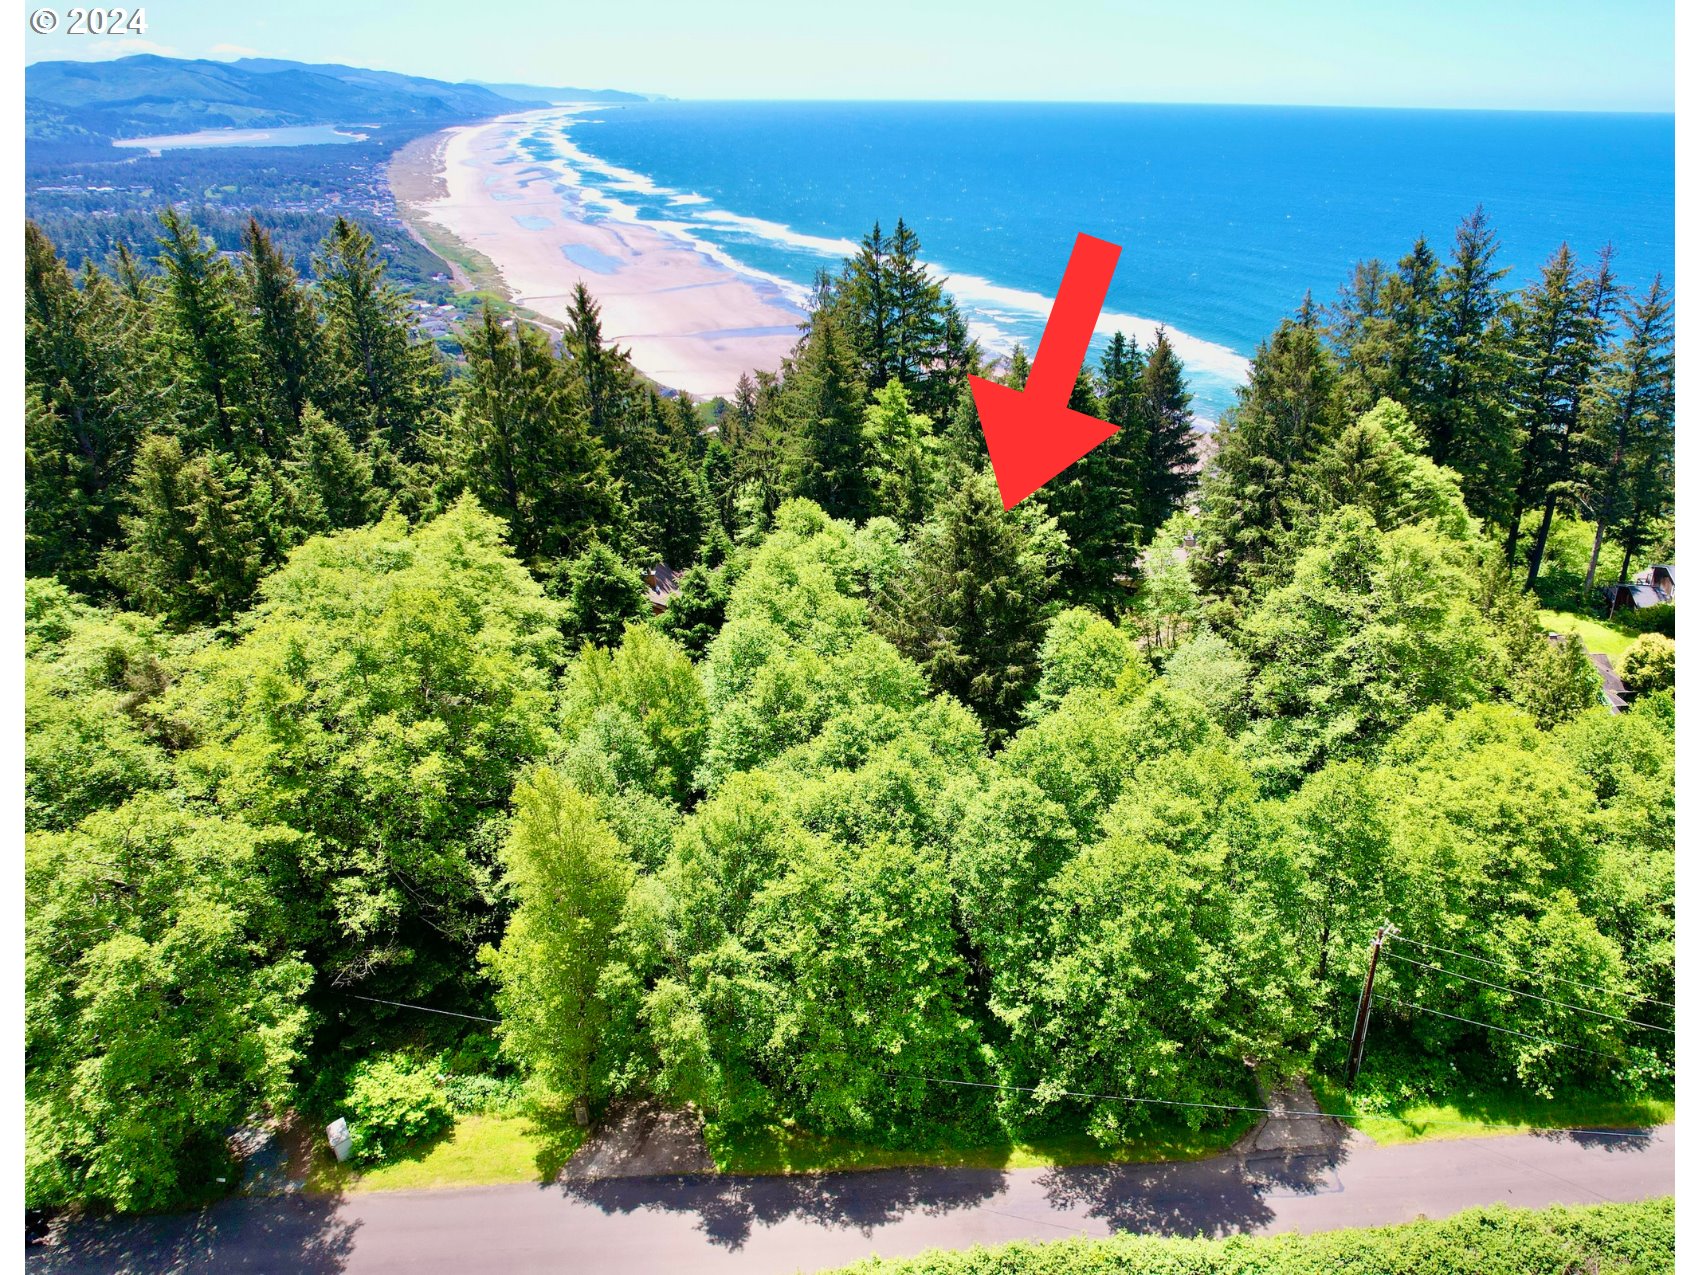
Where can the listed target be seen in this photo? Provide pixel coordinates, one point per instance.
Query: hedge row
(1631, 1239)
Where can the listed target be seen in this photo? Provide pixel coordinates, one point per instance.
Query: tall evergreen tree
(599, 368)
(740, 414)
(1096, 502)
(824, 407)
(1119, 380)
(1602, 296)
(521, 442)
(1170, 443)
(893, 312)
(1554, 359)
(653, 443)
(1286, 412)
(1412, 297)
(1628, 438)
(86, 411)
(1360, 331)
(1468, 420)
(1382, 331)
(286, 332)
(972, 608)
(865, 306)
(670, 499)
(205, 331)
(385, 382)
(917, 309)
(765, 460)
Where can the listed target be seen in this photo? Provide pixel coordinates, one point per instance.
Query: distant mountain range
(139, 96)
(532, 93)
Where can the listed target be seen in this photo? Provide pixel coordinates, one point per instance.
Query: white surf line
(1198, 354)
(988, 305)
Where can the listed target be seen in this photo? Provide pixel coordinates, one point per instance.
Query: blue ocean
(1227, 216)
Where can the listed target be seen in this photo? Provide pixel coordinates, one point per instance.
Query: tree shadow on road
(729, 1208)
(1603, 1138)
(296, 1233)
(1219, 1196)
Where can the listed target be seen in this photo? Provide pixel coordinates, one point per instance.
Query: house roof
(1612, 689)
(1640, 595)
(660, 583)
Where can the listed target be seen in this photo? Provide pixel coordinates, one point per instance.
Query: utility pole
(1360, 1028)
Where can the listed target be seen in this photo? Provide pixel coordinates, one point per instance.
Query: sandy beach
(689, 321)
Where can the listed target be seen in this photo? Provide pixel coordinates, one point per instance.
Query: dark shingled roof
(1634, 595)
(1613, 691)
(660, 583)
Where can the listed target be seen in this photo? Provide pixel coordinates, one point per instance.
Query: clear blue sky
(1527, 54)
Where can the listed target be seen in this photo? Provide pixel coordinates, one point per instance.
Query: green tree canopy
(1373, 628)
(163, 1001)
(971, 609)
(378, 701)
(571, 878)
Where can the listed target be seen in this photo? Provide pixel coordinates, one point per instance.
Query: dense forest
(908, 818)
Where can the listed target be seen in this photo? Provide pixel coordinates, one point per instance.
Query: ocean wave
(795, 293)
(779, 233)
(573, 163)
(998, 300)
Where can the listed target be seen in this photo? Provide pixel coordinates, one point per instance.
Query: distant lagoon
(588, 258)
(207, 138)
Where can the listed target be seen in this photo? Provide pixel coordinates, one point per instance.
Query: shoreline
(529, 224)
(689, 322)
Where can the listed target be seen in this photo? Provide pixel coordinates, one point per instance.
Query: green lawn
(1601, 638)
(486, 1150)
(1488, 1112)
(783, 1149)
(479, 1151)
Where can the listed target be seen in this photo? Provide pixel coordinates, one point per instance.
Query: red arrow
(1031, 435)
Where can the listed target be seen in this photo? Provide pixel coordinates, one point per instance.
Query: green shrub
(1631, 1239)
(1649, 664)
(393, 1102)
(481, 1095)
(1658, 619)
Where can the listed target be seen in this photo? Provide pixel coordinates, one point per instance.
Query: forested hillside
(146, 94)
(90, 195)
(909, 818)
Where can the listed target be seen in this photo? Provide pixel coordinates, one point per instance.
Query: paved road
(685, 1224)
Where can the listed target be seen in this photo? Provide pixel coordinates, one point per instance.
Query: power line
(1469, 956)
(424, 1009)
(1158, 1102)
(1599, 1013)
(1509, 1031)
